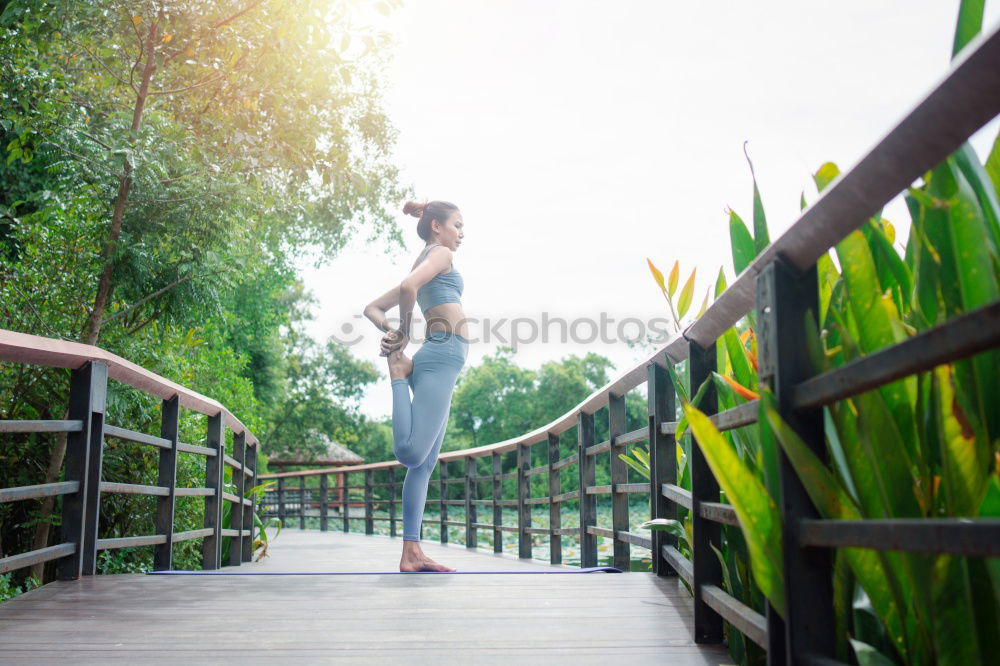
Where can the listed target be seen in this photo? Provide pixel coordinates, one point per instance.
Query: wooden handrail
(37, 350)
(87, 430)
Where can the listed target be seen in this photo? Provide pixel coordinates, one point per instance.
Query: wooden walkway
(488, 619)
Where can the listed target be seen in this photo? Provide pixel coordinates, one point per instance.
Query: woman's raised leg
(416, 424)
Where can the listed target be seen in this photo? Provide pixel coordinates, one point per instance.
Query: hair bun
(414, 208)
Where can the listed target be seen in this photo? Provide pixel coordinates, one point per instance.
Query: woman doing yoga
(418, 427)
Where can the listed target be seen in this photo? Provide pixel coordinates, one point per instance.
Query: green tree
(323, 388)
(493, 401)
(163, 164)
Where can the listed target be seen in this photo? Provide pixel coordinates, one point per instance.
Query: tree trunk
(41, 539)
(92, 329)
(104, 286)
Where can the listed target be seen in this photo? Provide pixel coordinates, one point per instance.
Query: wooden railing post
(281, 501)
(704, 488)
(588, 478)
(246, 541)
(497, 507)
(470, 508)
(346, 502)
(555, 518)
(443, 499)
(302, 502)
(87, 397)
(785, 298)
(392, 501)
(662, 461)
(369, 501)
(619, 476)
(324, 498)
(95, 458)
(236, 512)
(211, 546)
(167, 477)
(523, 508)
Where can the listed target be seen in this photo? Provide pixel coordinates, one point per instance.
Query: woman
(418, 427)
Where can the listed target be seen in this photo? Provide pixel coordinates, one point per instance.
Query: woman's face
(452, 231)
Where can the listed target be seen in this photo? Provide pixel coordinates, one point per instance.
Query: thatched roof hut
(335, 455)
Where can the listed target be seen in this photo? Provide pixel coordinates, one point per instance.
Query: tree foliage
(164, 165)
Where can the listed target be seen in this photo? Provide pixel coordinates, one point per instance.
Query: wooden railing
(781, 285)
(83, 486)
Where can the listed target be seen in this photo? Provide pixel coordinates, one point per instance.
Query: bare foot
(421, 563)
(400, 365)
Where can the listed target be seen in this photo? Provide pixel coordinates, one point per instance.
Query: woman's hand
(394, 340)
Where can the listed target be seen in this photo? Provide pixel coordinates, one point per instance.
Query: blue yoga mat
(370, 573)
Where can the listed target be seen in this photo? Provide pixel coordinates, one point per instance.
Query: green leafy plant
(261, 540)
(922, 447)
(8, 589)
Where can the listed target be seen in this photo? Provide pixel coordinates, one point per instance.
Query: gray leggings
(418, 427)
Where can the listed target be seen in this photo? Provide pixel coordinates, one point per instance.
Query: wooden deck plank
(419, 656)
(489, 618)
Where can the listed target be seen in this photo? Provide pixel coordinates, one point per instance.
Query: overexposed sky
(580, 138)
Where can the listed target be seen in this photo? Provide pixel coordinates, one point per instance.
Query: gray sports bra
(442, 288)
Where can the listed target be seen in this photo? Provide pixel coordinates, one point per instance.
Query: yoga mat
(370, 573)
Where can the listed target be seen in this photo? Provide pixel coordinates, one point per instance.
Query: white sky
(579, 138)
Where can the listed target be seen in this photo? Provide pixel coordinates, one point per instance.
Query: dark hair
(428, 211)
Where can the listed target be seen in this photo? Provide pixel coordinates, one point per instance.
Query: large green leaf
(680, 385)
(955, 636)
(739, 361)
(756, 510)
(825, 175)
(875, 321)
(761, 238)
(833, 503)
(985, 575)
(827, 276)
(968, 227)
(891, 458)
(984, 190)
(862, 448)
(666, 525)
(992, 165)
(926, 262)
(968, 280)
(963, 478)
(979, 286)
(682, 423)
(720, 283)
(768, 447)
(863, 475)
(985, 599)
(843, 592)
(878, 324)
(869, 656)
(970, 22)
(941, 187)
(881, 441)
(741, 242)
(687, 294)
(893, 272)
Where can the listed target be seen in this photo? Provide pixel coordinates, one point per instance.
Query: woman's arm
(377, 309)
(436, 261)
(405, 295)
